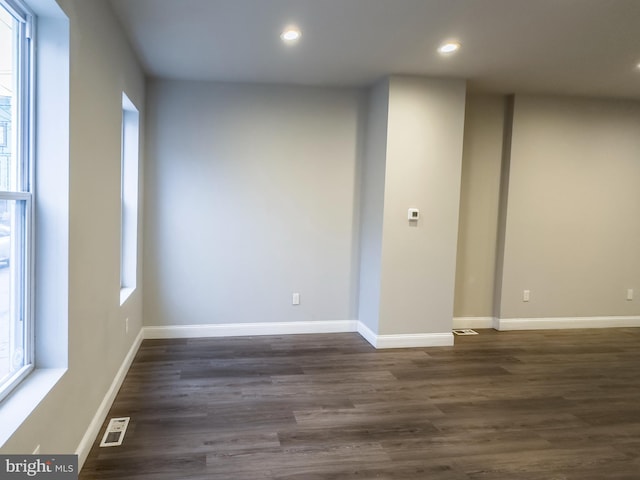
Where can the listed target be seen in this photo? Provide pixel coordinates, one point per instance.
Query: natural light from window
(129, 195)
(16, 344)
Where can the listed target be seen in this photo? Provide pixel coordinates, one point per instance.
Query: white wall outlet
(630, 294)
(413, 214)
(525, 295)
(295, 299)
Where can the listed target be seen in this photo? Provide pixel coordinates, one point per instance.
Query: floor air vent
(465, 331)
(115, 432)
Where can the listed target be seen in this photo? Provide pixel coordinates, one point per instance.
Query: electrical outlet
(630, 294)
(295, 299)
(525, 295)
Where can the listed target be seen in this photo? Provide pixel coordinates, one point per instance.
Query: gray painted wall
(372, 205)
(479, 199)
(255, 195)
(573, 214)
(102, 66)
(571, 225)
(252, 196)
(424, 158)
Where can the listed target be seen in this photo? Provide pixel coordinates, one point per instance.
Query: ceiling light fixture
(291, 35)
(448, 48)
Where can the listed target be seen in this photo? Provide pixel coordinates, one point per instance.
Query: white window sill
(125, 293)
(17, 407)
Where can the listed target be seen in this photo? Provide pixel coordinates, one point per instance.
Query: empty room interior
(259, 229)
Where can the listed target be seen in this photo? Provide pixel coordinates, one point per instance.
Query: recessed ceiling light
(448, 48)
(291, 35)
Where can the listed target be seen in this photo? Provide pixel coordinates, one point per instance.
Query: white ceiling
(583, 47)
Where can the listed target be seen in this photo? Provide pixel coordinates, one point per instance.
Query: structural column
(413, 161)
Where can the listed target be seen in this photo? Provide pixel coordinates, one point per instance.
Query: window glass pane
(129, 211)
(16, 333)
(8, 49)
(13, 344)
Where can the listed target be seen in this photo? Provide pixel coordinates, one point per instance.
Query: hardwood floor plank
(379, 471)
(497, 406)
(453, 447)
(547, 463)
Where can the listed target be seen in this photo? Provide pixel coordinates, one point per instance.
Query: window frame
(23, 190)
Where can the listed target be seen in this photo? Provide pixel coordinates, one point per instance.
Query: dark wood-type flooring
(552, 405)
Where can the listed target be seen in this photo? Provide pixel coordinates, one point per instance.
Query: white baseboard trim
(405, 340)
(366, 333)
(415, 340)
(473, 322)
(504, 324)
(250, 329)
(94, 427)
(289, 328)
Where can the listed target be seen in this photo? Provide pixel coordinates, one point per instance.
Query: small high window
(129, 196)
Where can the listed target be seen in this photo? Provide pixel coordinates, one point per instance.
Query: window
(129, 196)
(16, 194)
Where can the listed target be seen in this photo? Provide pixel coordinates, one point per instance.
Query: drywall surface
(479, 202)
(424, 158)
(573, 214)
(102, 66)
(372, 205)
(251, 195)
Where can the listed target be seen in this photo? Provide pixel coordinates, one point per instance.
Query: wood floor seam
(519, 405)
